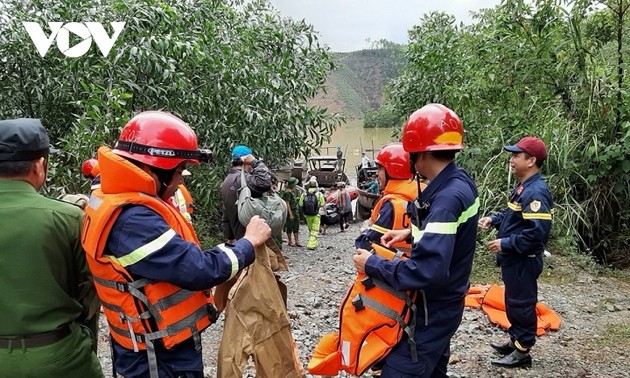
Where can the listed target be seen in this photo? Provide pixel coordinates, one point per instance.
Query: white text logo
(61, 32)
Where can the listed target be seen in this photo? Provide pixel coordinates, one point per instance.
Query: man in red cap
(524, 227)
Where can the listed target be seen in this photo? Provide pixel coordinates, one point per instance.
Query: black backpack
(310, 205)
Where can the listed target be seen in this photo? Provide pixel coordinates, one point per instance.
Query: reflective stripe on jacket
(444, 241)
(139, 311)
(525, 224)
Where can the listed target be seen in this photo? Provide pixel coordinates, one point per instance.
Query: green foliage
(385, 116)
(235, 71)
(535, 68)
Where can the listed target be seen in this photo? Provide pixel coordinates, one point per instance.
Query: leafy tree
(536, 68)
(235, 70)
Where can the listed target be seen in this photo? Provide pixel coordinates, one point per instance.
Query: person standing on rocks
(345, 206)
(311, 202)
(291, 196)
(49, 306)
(258, 178)
(444, 230)
(150, 272)
(524, 227)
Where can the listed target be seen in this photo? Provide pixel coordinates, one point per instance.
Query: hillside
(357, 84)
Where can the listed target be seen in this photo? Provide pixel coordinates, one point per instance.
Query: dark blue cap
(23, 139)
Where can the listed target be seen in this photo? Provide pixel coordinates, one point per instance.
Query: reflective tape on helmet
(230, 254)
(147, 249)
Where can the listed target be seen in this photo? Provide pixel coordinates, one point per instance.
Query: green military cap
(23, 139)
(292, 181)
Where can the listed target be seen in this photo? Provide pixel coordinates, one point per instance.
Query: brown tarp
(257, 323)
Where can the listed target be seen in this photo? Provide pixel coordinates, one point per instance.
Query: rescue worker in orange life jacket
(444, 231)
(390, 212)
(149, 270)
(181, 199)
(91, 171)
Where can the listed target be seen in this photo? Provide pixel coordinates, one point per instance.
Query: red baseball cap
(532, 146)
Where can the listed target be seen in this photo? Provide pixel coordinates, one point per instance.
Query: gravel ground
(592, 308)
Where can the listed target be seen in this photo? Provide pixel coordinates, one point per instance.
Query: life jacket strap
(173, 299)
(408, 328)
(132, 288)
(152, 359)
(119, 310)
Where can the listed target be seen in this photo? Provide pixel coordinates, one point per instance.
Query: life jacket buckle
(213, 313)
(122, 287)
(368, 283)
(357, 302)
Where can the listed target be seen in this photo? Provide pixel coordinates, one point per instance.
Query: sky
(344, 25)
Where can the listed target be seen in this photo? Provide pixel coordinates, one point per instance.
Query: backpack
(310, 205)
(269, 207)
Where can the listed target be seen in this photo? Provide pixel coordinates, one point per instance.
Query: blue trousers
(521, 295)
(432, 344)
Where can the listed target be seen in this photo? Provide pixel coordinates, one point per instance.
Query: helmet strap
(164, 177)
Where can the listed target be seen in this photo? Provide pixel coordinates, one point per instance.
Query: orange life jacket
(373, 317)
(187, 198)
(138, 311)
(182, 201)
(399, 193)
(493, 305)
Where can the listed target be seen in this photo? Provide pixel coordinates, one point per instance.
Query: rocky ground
(593, 341)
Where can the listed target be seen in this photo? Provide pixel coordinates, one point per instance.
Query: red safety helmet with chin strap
(395, 160)
(434, 127)
(158, 139)
(87, 168)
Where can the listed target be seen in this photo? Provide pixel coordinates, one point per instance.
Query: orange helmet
(158, 139)
(395, 160)
(87, 168)
(434, 127)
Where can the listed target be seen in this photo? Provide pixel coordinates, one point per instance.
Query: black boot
(514, 359)
(504, 348)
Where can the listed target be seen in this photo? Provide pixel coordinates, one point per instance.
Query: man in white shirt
(365, 161)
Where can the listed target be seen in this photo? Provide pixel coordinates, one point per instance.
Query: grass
(485, 270)
(615, 335)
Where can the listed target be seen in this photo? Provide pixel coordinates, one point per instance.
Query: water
(351, 137)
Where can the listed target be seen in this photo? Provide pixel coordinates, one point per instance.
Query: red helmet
(395, 160)
(434, 127)
(87, 167)
(158, 139)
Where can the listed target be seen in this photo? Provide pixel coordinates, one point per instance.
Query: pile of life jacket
(372, 319)
(492, 303)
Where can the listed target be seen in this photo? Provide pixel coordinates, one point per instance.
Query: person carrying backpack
(310, 202)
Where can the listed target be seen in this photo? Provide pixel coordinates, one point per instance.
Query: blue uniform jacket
(444, 241)
(385, 220)
(524, 225)
(179, 262)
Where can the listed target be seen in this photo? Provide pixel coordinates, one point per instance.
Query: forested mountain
(356, 85)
